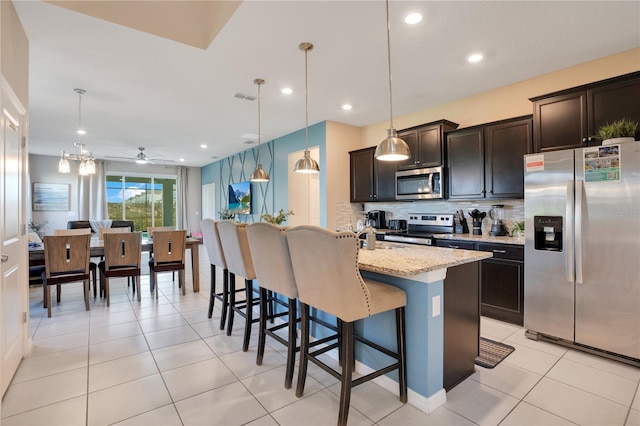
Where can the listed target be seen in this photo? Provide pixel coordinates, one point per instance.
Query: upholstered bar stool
(233, 238)
(325, 265)
(216, 258)
(272, 263)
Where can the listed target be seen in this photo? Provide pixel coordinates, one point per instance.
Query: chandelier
(87, 164)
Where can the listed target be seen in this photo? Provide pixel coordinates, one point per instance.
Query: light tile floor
(164, 363)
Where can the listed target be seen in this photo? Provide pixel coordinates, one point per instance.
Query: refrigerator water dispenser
(548, 233)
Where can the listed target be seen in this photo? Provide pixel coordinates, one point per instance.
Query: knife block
(477, 226)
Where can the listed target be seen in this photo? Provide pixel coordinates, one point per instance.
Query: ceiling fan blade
(160, 160)
(120, 158)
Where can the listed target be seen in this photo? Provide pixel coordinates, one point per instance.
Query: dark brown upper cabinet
(371, 179)
(486, 162)
(426, 144)
(569, 118)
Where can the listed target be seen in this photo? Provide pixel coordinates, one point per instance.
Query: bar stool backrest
(212, 243)
(271, 259)
(235, 246)
(325, 265)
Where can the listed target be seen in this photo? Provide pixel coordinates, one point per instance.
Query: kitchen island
(422, 272)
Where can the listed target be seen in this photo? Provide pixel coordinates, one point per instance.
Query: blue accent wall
(268, 197)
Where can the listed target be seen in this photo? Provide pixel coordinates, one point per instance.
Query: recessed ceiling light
(181, 159)
(413, 18)
(204, 145)
(287, 90)
(475, 57)
(253, 136)
(347, 107)
(81, 132)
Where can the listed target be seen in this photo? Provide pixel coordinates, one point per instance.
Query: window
(148, 201)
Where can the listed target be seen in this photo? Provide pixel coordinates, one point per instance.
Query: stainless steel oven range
(423, 228)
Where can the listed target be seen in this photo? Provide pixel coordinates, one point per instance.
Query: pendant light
(306, 164)
(392, 148)
(87, 164)
(259, 174)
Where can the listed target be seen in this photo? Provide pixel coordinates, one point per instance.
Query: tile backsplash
(345, 212)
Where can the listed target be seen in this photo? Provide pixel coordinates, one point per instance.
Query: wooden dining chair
(152, 229)
(103, 231)
(122, 258)
(66, 260)
(169, 249)
(93, 266)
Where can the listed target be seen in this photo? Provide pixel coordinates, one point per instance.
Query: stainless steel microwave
(419, 184)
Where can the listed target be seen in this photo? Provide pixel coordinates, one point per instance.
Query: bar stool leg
(304, 348)
(212, 293)
(232, 302)
(248, 286)
(402, 354)
(291, 348)
(347, 371)
(225, 297)
(262, 326)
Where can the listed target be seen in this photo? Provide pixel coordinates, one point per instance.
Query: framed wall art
(51, 197)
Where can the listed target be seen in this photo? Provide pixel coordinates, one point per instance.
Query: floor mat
(492, 353)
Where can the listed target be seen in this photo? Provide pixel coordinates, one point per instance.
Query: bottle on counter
(370, 234)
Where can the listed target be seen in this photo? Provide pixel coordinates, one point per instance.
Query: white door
(12, 269)
(304, 192)
(209, 201)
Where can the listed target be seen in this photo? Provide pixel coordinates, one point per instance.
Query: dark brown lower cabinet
(461, 323)
(502, 283)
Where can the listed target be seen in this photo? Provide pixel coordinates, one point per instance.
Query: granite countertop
(406, 260)
(486, 238)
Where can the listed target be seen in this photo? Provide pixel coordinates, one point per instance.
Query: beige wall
(510, 101)
(14, 52)
(341, 139)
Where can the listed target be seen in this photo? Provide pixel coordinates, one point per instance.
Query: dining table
(36, 254)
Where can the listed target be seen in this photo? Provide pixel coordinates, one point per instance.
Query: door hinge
(23, 229)
(24, 142)
(24, 317)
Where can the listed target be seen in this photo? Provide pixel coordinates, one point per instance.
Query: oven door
(419, 184)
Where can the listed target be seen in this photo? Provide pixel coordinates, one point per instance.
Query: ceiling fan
(142, 158)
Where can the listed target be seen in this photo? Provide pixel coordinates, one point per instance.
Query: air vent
(245, 96)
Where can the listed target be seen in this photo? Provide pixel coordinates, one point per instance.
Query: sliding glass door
(148, 201)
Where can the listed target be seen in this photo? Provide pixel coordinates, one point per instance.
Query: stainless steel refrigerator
(582, 248)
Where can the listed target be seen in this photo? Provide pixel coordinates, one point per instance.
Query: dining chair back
(122, 258)
(168, 255)
(72, 231)
(124, 224)
(102, 231)
(93, 266)
(235, 246)
(78, 224)
(325, 265)
(152, 229)
(216, 258)
(272, 262)
(66, 260)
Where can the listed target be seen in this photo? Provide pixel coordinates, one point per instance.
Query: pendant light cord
(259, 84)
(389, 64)
(306, 96)
(79, 110)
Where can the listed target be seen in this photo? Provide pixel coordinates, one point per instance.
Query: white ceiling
(170, 97)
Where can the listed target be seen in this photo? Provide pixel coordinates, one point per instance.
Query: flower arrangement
(37, 227)
(226, 214)
(277, 220)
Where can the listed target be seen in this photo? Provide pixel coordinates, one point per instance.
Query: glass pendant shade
(392, 148)
(82, 169)
(306, 164)
(63, 165)
(259, 175)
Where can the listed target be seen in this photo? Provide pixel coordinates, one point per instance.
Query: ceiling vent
(245, 96)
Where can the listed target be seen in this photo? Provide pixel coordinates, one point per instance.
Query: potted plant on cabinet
(277, 220)
(620, 131)
(226, 214)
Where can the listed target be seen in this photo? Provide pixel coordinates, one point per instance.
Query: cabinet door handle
(5, 258)
(454, 246)
(584, 140)
(499, 251)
